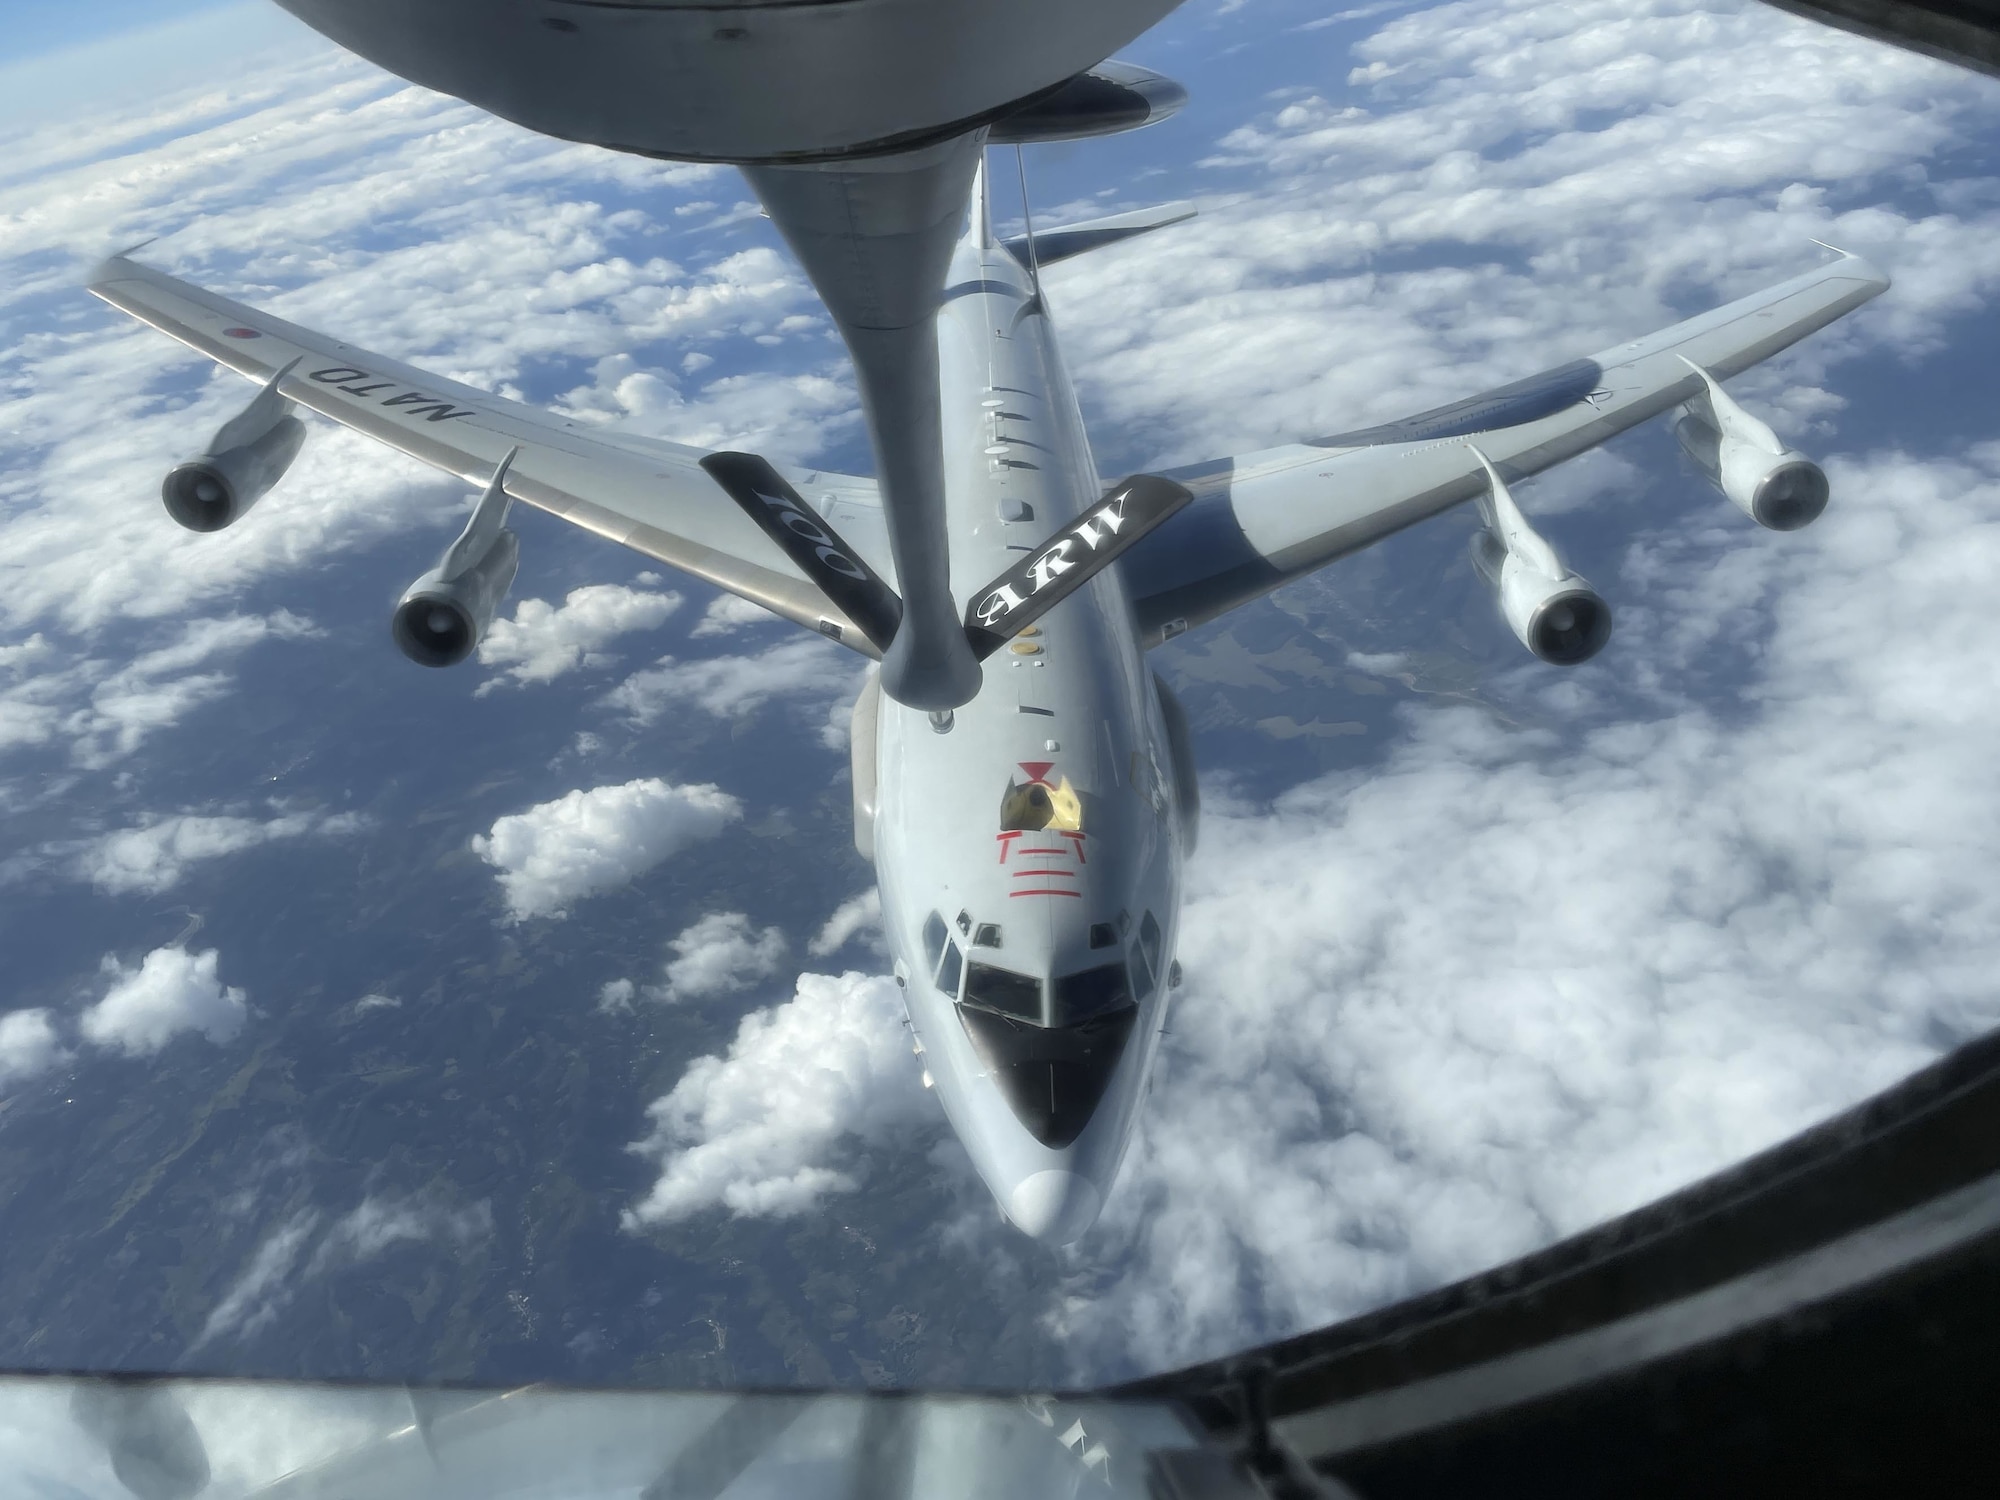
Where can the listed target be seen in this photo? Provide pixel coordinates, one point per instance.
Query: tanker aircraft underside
(1023, 783)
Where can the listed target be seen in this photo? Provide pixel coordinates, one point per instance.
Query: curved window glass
(934, 941)
(1146, 954)
(1143, 978)
(1078, 997)
(1004, 991)
(948, 971)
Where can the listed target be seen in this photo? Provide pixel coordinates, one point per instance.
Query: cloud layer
(587, 842)
(296, 1252)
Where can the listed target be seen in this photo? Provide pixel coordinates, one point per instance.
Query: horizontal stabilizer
(1052, 245)
(1069, 559)
(810, 542)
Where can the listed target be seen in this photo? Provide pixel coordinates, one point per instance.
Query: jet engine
(1775, 486)
(248, 455)
(444, 614)
(1555, 613)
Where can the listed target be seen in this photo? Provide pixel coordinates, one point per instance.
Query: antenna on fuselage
(1028, 224)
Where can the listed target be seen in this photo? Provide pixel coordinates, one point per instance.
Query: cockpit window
(1143, 978)
(1103, 935)
(948, 971)
(988, 935)
(1078, 997)
(1149, 942)
(1003, 990)
(934, 940)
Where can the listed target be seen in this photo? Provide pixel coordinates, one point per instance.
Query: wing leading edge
(1260, 520)
(646, 494)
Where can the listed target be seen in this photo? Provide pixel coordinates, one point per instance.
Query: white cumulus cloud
(586, 842)
(171, 991)
(28, 1045)
(543, 641)
(720, 954)
(781, 1121)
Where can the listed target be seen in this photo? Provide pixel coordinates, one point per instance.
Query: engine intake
(444, 615)
(244, 461)
(1564, 621)
(1777, 487)
(1553, 612)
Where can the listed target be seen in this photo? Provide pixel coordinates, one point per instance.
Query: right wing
(653, 496)
(1265, 518)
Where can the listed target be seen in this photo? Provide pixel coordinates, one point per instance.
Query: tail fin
(1052, 245)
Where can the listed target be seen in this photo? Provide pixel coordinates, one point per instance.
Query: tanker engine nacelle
(444, 614)
(247, 456)
(1775, 486)
(1554, 613)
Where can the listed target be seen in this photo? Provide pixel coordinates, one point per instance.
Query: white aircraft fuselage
(1030, 853)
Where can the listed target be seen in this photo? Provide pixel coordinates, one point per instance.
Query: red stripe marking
(1045, 874)
(1063, 853)
(1077, 894)
(1077, 839)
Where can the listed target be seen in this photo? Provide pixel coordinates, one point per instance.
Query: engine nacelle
(247, 457)
(1553, 612)
(1777, 487)
(1112, 97)
(444, 615)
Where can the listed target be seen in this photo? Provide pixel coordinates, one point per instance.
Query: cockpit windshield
(1077, 997)
(1004, 991)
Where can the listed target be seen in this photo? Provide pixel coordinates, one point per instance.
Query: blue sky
(64, 62)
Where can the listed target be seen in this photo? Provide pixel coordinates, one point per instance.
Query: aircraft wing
(652, 496)
(1262, 519)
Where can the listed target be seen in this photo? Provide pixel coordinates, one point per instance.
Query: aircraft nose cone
(1054, 1206)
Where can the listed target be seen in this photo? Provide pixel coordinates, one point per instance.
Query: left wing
(652, 496)
(1263, 519)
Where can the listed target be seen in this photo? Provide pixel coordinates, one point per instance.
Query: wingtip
(117, 264)
(1859, 265)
